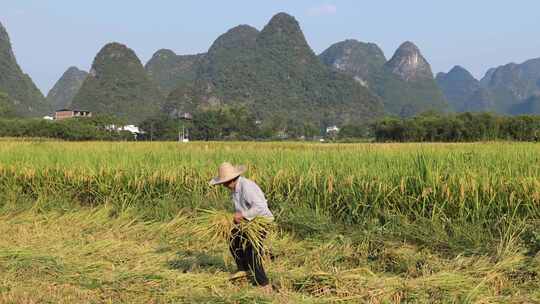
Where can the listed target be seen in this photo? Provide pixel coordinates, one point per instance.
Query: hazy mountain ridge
(464, 92)
(512, 84)
(522, 80)
(507, 89)
(530, 105)
(405, 82)
(65, 89)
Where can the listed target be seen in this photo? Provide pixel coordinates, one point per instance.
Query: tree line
(234, 122)
(239, 123)
(220, 123)
(462, 127)
(95, 128)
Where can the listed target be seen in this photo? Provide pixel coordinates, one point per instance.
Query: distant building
(282, 134)
(67, 113)
(332, 129)
(134, 130)
(130, 128)
(185, 116)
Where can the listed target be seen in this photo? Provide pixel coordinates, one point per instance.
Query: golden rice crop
(351, 182)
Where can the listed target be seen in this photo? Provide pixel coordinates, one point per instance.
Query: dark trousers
(247, 257)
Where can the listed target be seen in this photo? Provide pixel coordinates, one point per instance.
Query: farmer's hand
(238, 217)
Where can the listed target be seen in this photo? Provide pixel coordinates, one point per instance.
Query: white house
(134, 130)
(131, 128)
(332, 129)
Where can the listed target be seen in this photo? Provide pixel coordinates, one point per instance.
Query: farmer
(249, 202)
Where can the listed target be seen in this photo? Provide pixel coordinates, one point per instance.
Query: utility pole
(184, 136)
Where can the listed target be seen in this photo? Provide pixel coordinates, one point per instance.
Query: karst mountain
(21, 94)
(65, 89)
(117, 84)
(274, 73)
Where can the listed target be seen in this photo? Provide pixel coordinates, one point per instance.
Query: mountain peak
(279, 76)
(3, 33)
(284, 25)
(113, 52)
(5, 43)
(350, 44)
(118, 85)
(358, 59)
(458, 73)
(23, 93)
(457, 69)
(243, 28)
(283, 35)
(116, 49)
(458, 78)
(520, 81)
(164, 53)
(283, 18)
(409, 64)
(73, 70)
(241, 36)
(409, 46)
(61, 95)
(463, 91)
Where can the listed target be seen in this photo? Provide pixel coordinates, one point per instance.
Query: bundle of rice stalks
(218, 226)
(214, 226)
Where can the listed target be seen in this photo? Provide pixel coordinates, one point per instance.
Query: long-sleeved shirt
(249, 200)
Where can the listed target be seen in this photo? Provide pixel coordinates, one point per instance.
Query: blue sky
(51, 35)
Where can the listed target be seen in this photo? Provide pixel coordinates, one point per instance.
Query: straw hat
(227, 172)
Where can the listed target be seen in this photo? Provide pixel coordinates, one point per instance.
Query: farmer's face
(231, 185)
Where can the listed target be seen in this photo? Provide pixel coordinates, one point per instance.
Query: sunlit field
(102, 222)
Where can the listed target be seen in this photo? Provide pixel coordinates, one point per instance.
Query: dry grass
(118, 223)
(86, 256)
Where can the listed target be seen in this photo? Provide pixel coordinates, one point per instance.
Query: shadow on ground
(191, 261)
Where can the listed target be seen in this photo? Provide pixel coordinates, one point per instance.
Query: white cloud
(321, 10)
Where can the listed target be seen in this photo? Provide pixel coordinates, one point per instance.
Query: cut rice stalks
(218, 226)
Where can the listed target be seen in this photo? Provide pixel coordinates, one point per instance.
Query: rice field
(111, 222)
